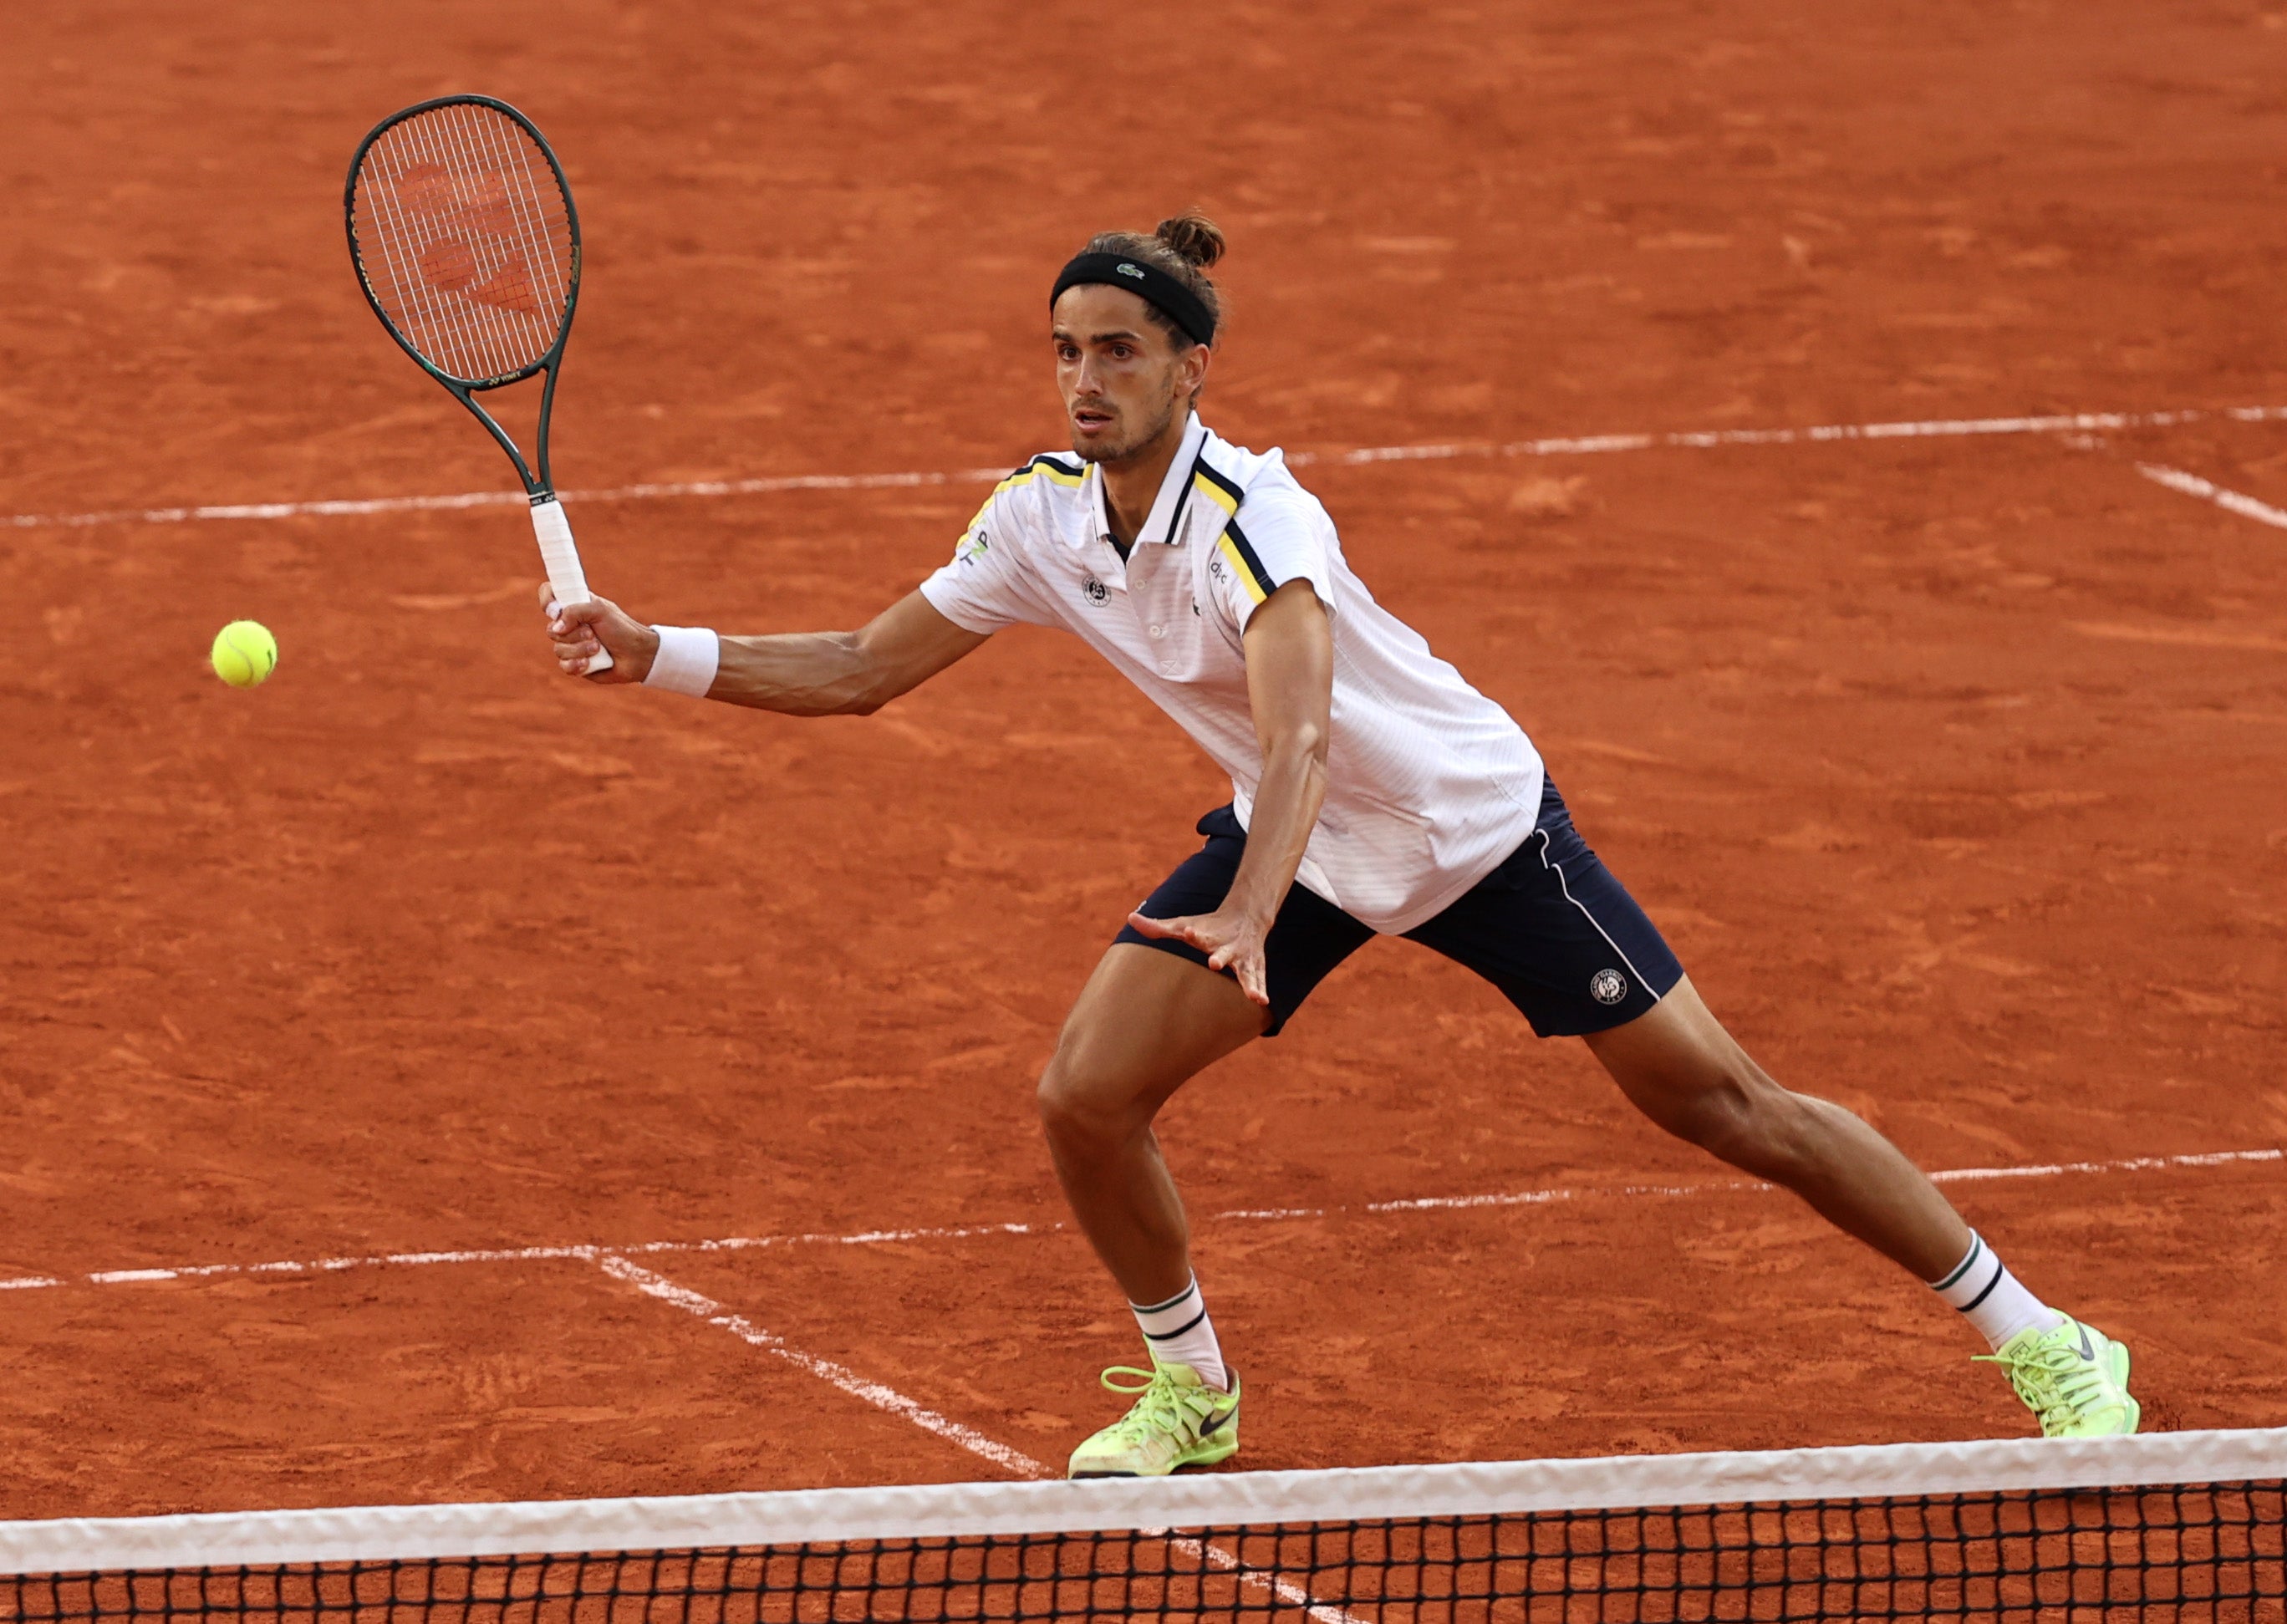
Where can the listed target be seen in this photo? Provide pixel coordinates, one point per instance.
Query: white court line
(350, 507)
(825, 1370)
(1928, 428)
(1944, 1175)
(2130, 1164)
(888, 1399)
(2230, 501)
(880, 1236)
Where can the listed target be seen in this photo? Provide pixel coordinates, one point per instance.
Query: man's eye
(1120, 351)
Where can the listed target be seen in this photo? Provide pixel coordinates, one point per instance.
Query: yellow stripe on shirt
(1215, 491)
(1241, 570)
(1056, 471)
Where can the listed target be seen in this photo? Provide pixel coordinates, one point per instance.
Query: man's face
(1123, 378)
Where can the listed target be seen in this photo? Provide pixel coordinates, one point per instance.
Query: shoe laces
(1161, 1404)
(2051, 1377)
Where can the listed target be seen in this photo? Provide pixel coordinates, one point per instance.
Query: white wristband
(686, 659)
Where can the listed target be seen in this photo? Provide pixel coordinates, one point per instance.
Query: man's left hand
(1231, 942)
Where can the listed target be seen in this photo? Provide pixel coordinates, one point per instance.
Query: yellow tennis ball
(244, 653)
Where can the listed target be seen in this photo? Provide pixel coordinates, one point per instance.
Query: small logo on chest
(1093, 590)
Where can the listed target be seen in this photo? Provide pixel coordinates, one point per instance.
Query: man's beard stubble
(1129, 445)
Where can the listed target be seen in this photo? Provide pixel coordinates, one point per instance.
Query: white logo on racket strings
(1126, 269)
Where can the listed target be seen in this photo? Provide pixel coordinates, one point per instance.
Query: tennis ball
(244, 653)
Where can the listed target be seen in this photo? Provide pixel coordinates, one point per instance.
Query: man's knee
(1082, 1105)
(1685, 1073)
(1146, 1025)
(1730, 1108)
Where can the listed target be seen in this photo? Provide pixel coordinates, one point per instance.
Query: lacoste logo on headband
(1186, 309)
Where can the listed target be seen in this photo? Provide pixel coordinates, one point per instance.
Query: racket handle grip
(565, 578)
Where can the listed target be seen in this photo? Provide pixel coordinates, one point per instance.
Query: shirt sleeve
(1277, 538)
(986, 586)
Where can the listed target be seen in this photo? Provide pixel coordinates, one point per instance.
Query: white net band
(381, 1534)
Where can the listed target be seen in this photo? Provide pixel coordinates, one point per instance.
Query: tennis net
(2174, 1525)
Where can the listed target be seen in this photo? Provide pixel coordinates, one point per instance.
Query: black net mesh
(2204, 1552)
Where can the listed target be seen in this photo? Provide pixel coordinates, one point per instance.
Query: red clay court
(425, 1080)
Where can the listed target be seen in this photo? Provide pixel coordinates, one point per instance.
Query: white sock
(1989, 1298)
(1179, 1333)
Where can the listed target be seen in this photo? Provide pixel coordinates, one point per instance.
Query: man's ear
(1192, 367)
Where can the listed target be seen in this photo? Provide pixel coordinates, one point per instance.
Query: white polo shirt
(1429, 783)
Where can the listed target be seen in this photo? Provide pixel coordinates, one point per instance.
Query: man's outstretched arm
(803, 674)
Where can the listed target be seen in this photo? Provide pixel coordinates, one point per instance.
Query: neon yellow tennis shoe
(1176, 1420)
(2074, 1378)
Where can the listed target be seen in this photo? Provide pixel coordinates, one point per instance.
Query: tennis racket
(468, 247)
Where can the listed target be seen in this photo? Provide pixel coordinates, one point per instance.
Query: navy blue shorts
(1551, 927)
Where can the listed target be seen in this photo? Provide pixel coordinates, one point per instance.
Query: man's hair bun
(1183, 248)
(1193, 237)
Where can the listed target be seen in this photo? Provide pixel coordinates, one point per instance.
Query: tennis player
(1373, 793)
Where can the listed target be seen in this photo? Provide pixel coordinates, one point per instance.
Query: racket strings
(465, 238)
(465, 188)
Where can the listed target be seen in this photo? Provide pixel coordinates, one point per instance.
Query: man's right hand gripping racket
(468, 247)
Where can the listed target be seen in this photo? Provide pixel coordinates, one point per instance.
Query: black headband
(1147, 283)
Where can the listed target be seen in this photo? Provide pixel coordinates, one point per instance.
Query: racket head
(466, 243)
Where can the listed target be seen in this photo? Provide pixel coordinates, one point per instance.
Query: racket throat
(544, 486)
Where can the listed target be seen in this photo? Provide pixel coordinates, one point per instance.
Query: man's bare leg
(1146, 1023)
(1683, 1070)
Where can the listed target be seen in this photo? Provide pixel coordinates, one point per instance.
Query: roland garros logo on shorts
(1608, 986)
